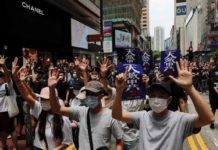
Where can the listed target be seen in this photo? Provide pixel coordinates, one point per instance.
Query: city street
(207, 138)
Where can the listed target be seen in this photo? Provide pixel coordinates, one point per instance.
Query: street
(207, 138)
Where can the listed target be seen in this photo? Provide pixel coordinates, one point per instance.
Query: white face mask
(45, 105)
(94, 77)
(158, 104)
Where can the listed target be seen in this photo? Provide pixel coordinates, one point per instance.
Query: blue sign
(168, 62)
(135, 88)
(181, 10)
(129, 56)
(147, 61)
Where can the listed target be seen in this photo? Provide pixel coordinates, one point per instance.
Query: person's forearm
(117, 107)
(119, 144)
(22, 88)
(85, 76)
(30, 91)
(54, 101)
(201, 106)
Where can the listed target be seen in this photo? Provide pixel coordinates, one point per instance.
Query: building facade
(46, 26)
(125, 15)
(159, 38)
(145, 19)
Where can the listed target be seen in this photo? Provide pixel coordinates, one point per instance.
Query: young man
(160, 128)
(102, 124)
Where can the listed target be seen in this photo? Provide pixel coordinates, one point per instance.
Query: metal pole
(101, 23)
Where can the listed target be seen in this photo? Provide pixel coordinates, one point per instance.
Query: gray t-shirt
(102, 126)
(166, 133)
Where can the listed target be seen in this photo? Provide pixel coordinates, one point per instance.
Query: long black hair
(57, 126)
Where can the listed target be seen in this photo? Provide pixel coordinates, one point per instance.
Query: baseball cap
(82, 94)
(91, 86)
(165, 86)
(45, 93)
(94, 86)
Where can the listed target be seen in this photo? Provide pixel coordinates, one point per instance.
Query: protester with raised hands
(52, 131)
(93, 117)
(7, 123)
(161, 128)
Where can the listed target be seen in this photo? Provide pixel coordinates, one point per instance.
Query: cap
(94, 86)
(82, 94)
(165, 86)
(45, 93)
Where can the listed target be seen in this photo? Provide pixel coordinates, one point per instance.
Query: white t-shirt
(66, 130)
(166, 133)
(102, 127)
(3, 103)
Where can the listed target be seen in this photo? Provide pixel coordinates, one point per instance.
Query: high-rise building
(159, 38)
(123, 9)
(125, 15)
(145, 19)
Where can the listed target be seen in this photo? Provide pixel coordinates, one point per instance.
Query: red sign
(94, 38)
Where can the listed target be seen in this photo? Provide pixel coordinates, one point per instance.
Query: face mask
(158, 104)
(94, 77)
(91, 102)
(45, 105)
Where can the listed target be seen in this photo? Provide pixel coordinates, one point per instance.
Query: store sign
(33, 23)
(108, 37)
(181, 10)
(32, 8)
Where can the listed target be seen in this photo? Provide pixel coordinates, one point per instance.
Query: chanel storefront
(33, 24)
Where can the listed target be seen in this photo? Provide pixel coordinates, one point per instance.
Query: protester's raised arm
(117, 112)
(205, 116)
(56, 107)
(22, 86)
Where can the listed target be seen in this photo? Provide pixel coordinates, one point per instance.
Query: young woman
(52, 132)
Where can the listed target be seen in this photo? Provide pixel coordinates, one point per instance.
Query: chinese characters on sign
(134, 88)
(168, 62)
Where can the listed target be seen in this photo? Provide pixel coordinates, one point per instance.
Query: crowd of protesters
(67, 105)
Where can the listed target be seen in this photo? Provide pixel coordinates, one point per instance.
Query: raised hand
(184, 78)
(104, 65)
(53, 80)
(76, 61)
(121, 79)
(159, 76)
(23, 72)
(83, 64)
